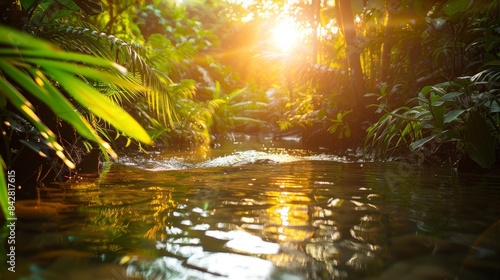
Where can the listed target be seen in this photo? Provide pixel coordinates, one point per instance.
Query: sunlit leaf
(65, 110)
(87, 72)
(101, 106)
(24, 106)
(46, 93)
(57, 54)
(333, 128)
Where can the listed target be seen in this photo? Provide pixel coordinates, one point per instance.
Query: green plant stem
(32, 9)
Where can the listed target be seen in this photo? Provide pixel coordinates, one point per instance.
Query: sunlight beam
(285, 36)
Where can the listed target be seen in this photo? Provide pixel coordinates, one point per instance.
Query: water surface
(262, 214)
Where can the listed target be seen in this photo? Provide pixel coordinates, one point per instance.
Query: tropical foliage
(30, 66)
(75, 79)
(460, 115)
(79, 89)
(453, 113)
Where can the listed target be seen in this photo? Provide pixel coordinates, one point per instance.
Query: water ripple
(238, 158)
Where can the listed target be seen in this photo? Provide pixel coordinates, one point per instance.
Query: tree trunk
(353, 53)
(391, 7)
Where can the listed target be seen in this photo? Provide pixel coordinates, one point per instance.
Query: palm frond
(168, 57)
(32, 67)
(183, 89)
(133, 57)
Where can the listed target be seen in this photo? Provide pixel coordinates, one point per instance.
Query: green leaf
(347, 131)
(425, 90)
(18, 39)
(27, 3)
(100, 105)
(435, 100)
(408, 128)
(438, 114)
(451, 134)
(453, 115)
(217, 91)
(66, 111)
(493, 105)
(57, 54)
(419, 143)
(235, 93)
(332, 129)
(480, 144)
(493, 63)
(87, 72)
(3, 101)
(339, 116)
(46, 93)
(25, 107)
(450, 96)
(4, 200)
(284, 125)
(90, 7)
(35, 147)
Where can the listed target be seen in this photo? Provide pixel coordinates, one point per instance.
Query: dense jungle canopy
(416, 78)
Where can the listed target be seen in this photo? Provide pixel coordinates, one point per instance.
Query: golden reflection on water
(306, 217)
(291, 211)
(289, 216)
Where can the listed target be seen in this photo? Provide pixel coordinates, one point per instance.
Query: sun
(285, 36)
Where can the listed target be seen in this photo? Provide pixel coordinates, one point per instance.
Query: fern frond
(168, 57)
(183, 89)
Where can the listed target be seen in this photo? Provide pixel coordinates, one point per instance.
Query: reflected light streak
(284, 215)
(287, 212)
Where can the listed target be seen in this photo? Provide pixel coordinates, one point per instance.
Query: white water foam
(238, 158)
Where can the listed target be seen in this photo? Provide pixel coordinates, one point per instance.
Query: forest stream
(261, 213)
